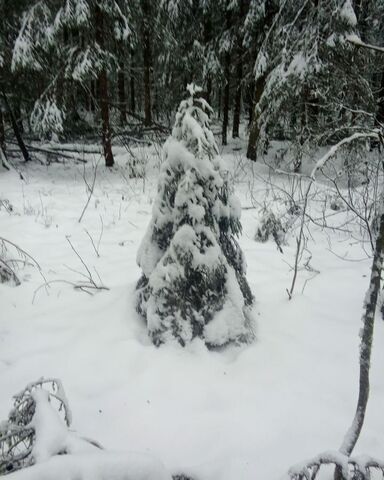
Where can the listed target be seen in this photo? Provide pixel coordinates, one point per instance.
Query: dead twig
(90, 189)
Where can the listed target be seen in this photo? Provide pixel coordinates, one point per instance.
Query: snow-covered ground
(242, 413)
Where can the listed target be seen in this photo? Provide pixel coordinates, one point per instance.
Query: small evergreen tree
(193, 282)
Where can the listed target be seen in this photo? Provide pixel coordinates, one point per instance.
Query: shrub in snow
(7, 266)
(19, 435)
(270, 227)
(8, 261)
(6, 272)
(277, 224)
(336, 203)
(37, 435)
(193, 282)
(37, 427)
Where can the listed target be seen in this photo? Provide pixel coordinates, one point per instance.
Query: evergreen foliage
(317, 87)
(289, 68)
(193, 282)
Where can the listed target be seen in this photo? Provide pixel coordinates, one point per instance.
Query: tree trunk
(3, 151)
(379, 118)
(227, 66)
(237, 107)
(147, 59)
(249, 100)
(121, 93)
(103, 93)
(239, 75)
(209, 90)
(16, 130)
(93, 88)
(132, 84)
(225, 101)
(2, 131)
(19, 121)
(303, 133)
(254, 132)
(366, 337)
(219, 102)
(207, 39)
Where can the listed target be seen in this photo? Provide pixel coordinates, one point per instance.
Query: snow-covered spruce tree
(193, 282)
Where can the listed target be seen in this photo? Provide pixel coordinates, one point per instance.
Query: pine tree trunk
(303, 134)
(2, 133)
(93, 88)
(19, 121)
(207, 39)
(16, 130)
(106, 129)
(237, 107)
(121, 94)
(366, 338)
(254, 132)
(239, 76)
(379, 118)
(249, 97)
(2, 128)
(225, 102)
(132, 84)
(147, 59)
(103, 94)
(209, 90)
(227, 66)
(219, 102)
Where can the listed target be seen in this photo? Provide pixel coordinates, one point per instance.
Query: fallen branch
(54, 153)
(85, 287)
(90, 189)
(87, 150)
(96, 248)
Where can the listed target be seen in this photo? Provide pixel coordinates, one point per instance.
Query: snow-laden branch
(350, 467)
(36, 443)
(333, 150)
(355, 40)
(318, 166)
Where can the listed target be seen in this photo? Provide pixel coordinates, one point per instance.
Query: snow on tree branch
(351, 468)
(333, 150)
(356, 40)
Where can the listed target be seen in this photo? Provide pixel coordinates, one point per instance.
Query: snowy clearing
(242, 413)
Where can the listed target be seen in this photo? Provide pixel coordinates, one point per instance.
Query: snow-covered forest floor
(242, 413)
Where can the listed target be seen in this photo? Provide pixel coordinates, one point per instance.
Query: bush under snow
(37, 444)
